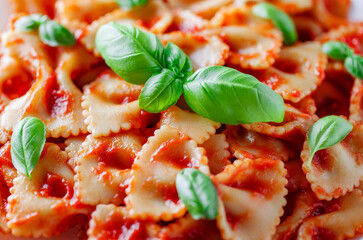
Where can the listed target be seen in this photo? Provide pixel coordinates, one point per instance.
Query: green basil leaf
(161, 91)
(128, 4)
(354, 65)
(198, 193)
(177, 61)
(30, 23)
(337, 50)
(281, 20)
(132, 54)
(327, 132)
(228, 96)
(27, 143)
(54, 34)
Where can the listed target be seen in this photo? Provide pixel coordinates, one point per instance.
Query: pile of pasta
(109, 168)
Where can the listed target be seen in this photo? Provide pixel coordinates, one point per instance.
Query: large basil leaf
(228, 96)
(354, 65)
(281, 20)
(30, 23)
(161, 91)
(327, 132)
(128, 4)
(27, 144)
(54, 34)
(198, 193)
(177, 61)
(131, 53)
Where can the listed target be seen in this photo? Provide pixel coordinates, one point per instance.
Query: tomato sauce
(322, 161)
(58, 101)
(114, 156)
(56, 186)
(17, 85)
(170, 194)
(322, 234)
(287, 65)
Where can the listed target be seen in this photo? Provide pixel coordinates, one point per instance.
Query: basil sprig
(280, 19)
(50, 32)
(218, 93)
(27, 143)
(353, 63)
(198, 193)
(228, 96)
(327, 132)
(128, 4)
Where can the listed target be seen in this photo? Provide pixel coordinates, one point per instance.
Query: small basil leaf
(281, 20)
(354, 65)
(337, 50)
(30, 23)
(228, 96)
(54, 34)
(198, 193)
(27, 144)
(327, 132)
(132, 54)
(161, 91)
(128, 4)
(177, 61)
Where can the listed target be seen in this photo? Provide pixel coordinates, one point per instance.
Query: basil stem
(27, 143)
(161, 91)
(337, 50)
(128, 4)
(280, 19)
(327, 132)
(228, 96)
(54, 34)
(132, 54)
(354, 65)
(198, 193)
(30, 23)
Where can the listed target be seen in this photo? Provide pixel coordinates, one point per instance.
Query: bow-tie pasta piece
(77, 14)
(112, 223)
(251, 198)
(187, 228)
(356, 99)
(203, 50)
(187, 21)
(53, 98)
(168, 151)
(295, 176)
(155, 17)
(342, 223)
(103, 167)
(195, 126)
(336, 170)
(297, 72)
(43, 206)
(217, 151)
(254, 43)
(293, 128)
(332, 13)
(111, 105)
(34, 6)
(249, 144)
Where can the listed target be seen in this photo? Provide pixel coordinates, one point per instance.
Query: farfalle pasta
(116, 168)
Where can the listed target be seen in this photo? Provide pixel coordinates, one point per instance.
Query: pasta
(113, 169)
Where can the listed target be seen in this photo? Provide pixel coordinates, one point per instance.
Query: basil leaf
(354, 65)
(228, 96)
(132, 54)
(198, 193)
(327, 132)
(281, 20)
(177, 61)
(161, 91)
(27, 143)
(54, 34)
(30, 23)
(337, 50)
(128, 4)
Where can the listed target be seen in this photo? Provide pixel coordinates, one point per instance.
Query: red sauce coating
(287, 65)
(5, 156)
(57, 100)
(119, 227)
(169, 193)
(324, 207)
(56, 186)
(322, 161)
(17, 85)
(354, 41)
(322, 234)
